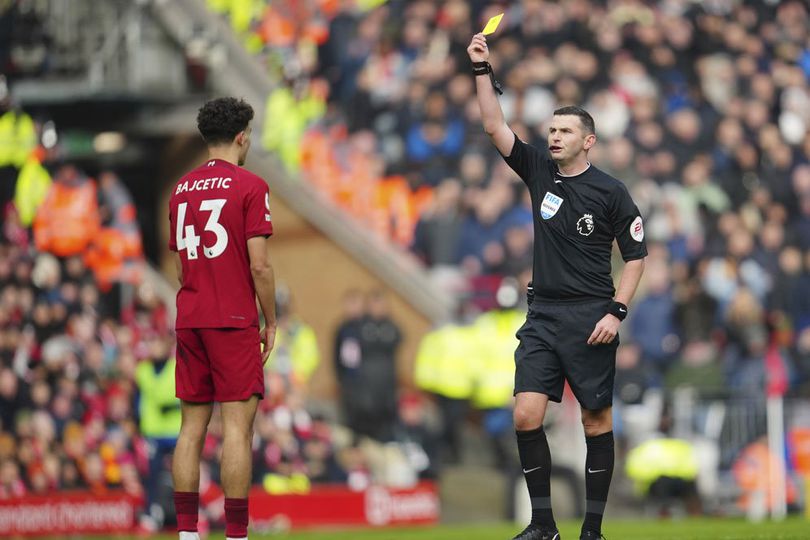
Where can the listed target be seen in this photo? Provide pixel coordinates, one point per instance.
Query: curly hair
(219, 120)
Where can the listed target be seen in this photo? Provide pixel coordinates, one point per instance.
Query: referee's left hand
(605, 330)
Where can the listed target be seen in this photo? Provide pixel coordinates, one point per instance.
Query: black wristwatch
(618, 310)
(484, 68)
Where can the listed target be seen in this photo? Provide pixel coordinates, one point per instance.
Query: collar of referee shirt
(583, 171)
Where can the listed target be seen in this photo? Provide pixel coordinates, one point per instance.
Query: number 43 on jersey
(187, 237)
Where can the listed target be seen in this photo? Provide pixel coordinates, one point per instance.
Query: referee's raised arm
(491, 113)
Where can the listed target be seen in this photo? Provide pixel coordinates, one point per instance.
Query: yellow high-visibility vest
(660, 457)
(286, 119)
(495, 380)
(299, 344)
(33, 183)
(18, 138)
(159, 408)
(447, 361)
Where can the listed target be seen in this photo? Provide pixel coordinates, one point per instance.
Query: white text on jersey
(203, 184)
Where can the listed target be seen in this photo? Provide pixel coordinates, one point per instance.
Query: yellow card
(492, 25)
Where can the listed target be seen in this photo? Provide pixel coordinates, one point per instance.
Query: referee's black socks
(598, 473)
(535, 458)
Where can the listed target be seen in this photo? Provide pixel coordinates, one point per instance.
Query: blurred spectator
(442, 370)
(33, 184)
(418, 440)
(293, 106)
(116, 253)
(12, 400)
(664, 472)
(631, 380)
(699, 367)
(437, 232)
(653, 320)
(68, 220)
(748, 340)
(347, 352)
(695, 311)
(372, 411)
(159, 413)
(751, 471)
(494, 367)
(637, 405)
(17, 139)
(295, 353)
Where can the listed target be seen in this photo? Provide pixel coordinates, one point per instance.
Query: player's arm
(178, 267)
(264, 281)
(491, 113)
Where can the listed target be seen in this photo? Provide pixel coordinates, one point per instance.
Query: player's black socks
(598, 473)
(535, 458)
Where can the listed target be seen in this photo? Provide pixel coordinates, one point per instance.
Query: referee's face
(567, 139)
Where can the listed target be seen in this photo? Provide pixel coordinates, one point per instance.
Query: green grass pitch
(708, 529)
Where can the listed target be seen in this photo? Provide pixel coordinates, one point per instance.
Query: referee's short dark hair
(219, 120)
(584, 116)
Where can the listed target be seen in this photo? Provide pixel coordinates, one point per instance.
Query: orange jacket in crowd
(68, 219)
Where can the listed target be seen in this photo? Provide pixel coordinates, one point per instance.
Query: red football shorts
(218, 364)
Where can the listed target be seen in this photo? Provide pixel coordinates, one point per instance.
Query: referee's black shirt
(576, 219)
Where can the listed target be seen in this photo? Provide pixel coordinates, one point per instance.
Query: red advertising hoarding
(324, 506)
(68, 513)
(338, 506)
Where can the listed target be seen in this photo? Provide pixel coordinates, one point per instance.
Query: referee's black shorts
(554, 347)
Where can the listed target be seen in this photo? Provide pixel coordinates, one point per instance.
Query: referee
(571, 330)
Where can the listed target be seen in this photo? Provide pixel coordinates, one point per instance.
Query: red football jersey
(213, 211)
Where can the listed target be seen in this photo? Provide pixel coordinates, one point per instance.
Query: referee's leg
(598, 426)
(535, 457)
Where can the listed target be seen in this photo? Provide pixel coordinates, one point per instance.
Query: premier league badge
(585, 225)
(551, 203)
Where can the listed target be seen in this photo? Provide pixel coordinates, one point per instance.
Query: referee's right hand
(478, 50)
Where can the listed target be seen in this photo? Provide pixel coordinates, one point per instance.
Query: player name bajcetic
(203, 184)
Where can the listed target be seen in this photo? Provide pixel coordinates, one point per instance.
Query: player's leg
(237, 461)
(186, 466)
(538, 378)
(238, 385)
(196, 392)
